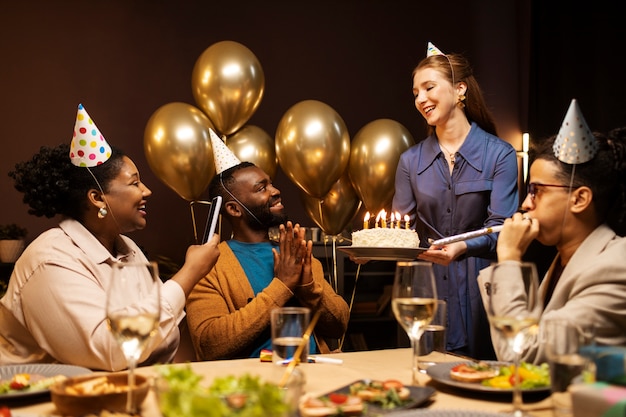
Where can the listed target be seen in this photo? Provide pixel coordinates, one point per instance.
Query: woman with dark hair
(54, 307)
(581, 210)
(462, 177)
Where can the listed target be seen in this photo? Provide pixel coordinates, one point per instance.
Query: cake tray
(381, 254)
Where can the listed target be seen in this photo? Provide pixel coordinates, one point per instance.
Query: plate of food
(367, 398)
(448, 413)
(371, 253)
(491, 376)
(18, 381)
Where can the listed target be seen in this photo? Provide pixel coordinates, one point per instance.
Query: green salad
(182, 395)
(531, 376)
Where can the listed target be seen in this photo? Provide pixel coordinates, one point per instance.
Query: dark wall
(125, 59)
(578, 52)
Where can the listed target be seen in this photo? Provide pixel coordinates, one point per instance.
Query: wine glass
(514, 310)
(133, 310)
(414, 301)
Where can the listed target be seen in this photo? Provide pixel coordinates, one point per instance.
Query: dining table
(322, 378)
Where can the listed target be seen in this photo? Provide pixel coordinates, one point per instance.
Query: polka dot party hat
(433, 50)
(89, 148)
(224, 157)
(575, 144)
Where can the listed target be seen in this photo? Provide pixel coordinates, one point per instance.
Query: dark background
(125, 59)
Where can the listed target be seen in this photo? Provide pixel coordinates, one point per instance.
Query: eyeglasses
(531, 188)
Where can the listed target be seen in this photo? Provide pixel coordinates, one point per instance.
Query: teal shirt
(257, 261)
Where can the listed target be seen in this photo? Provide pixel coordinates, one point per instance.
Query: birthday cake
(382, 237)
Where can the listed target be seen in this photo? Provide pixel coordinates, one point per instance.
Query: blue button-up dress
(481, 191)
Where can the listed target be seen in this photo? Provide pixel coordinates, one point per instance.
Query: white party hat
(88, 148)
(224, 157)
(433, 50)
(575, 143)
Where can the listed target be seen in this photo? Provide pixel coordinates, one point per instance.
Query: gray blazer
(591, 290)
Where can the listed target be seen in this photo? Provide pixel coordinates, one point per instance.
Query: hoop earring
(102, 213)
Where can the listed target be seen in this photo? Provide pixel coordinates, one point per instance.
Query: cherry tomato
(17, 385)
(4, 411)
(337, 398)
(512, 380)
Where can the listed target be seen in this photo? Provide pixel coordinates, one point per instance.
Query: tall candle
(383, 218)
(366, 220)
(377, 218)
(397, 220)
(393, 217)
(406, 221)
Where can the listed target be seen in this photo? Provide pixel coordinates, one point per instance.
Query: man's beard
(265, 218)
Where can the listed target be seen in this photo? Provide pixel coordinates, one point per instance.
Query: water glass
(433, 341)
(564, 341)
(288, 327)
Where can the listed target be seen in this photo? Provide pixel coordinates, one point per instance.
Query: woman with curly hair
(54, 308)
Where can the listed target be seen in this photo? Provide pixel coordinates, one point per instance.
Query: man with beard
(228, 311)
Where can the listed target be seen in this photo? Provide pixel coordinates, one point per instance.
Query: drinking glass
(565, 341)
(433, 340)
(133, 312)
(414, 301)
(514, 310)
(288, 326)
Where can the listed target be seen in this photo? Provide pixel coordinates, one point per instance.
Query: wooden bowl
(70, 401)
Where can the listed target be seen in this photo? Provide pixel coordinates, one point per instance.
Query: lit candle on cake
(378, 218)
(397, 220)
(393, 217)
(406, 221)
(366, 221)
(383, 218)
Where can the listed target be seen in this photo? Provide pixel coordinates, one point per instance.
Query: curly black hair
(605, 174)
(52, 185)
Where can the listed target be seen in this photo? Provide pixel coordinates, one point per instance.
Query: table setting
(414, 381)
(323, 378)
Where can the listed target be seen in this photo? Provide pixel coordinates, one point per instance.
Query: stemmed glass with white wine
(514, 310)
(414, 302)
(133, 311)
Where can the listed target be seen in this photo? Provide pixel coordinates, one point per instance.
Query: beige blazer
(591, 290)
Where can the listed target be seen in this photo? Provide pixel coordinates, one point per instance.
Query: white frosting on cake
(385, 238)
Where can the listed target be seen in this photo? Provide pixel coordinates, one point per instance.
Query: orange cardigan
(225, 317)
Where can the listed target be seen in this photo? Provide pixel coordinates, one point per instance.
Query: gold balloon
(228, 83)
(374, 156)
(178, 149)
(313, 146)
(253, 144)
(335, 210)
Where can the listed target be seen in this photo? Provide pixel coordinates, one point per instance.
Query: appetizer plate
(448, 413)
(419, 395)
(47, 370)
(382, 254)
(441, 373)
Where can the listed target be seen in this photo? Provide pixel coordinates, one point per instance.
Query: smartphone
(211, 221)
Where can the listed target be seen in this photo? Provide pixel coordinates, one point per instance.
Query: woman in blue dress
(462, 177)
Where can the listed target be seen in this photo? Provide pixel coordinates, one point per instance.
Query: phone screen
(211, 222)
